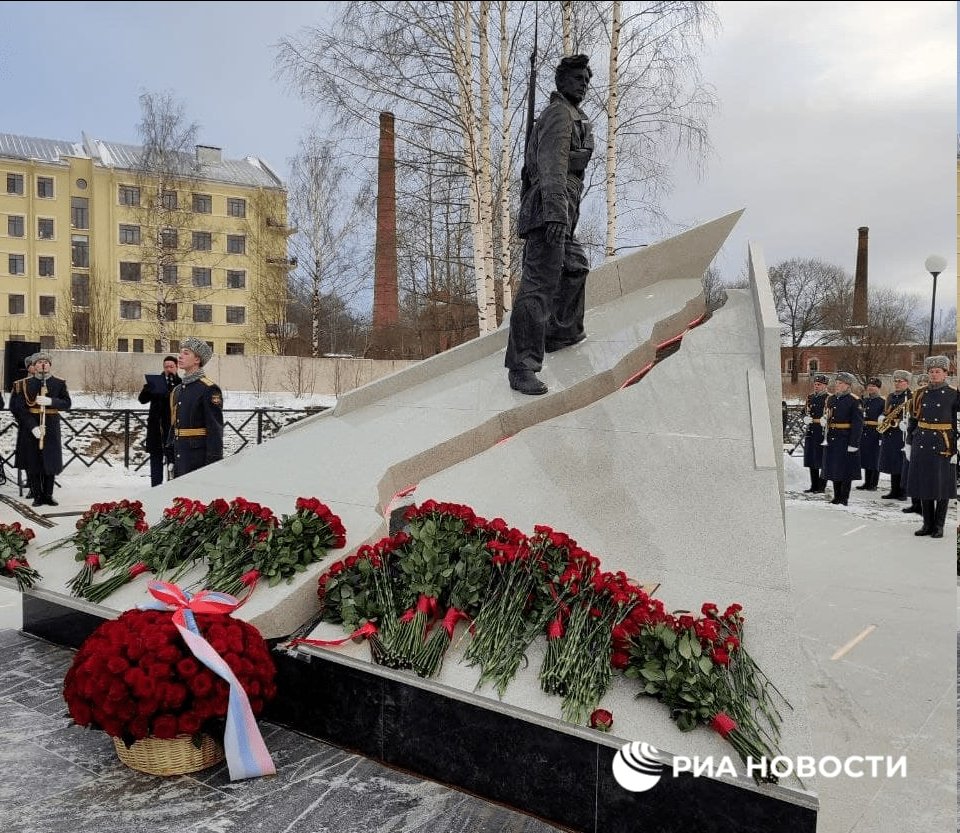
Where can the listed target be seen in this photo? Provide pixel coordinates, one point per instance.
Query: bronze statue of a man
(548, 311)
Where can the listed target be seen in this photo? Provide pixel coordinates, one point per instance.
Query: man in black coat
(197, 412)
(548, 310)
(841, 458)
(873, 404)
(157, 392)
(932, 446)
(37, 405)
(891, 440)
(24, 439)
(813, 438)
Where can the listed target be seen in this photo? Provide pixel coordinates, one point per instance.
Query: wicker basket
(176, 756)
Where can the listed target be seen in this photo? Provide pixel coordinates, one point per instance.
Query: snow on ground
(232, 400)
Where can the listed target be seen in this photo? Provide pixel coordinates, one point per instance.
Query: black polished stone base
(57, 623)
(560, 777)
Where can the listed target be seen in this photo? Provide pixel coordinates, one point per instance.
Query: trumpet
(825, 420)
(43, 414)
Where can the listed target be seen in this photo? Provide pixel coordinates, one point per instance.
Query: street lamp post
(934, 264)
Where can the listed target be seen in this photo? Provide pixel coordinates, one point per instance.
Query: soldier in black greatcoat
(932, 444)
(20, 452)
(37, 405)
(548, 310)
(813, 439)
(873, 405)
(157, 392)
(841, 458)
(891, 440)
(196, 412)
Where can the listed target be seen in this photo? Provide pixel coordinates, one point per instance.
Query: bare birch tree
(612, 102)
(505, 163)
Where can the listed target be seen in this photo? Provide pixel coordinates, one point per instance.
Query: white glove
(37, 431)
(953, 460)
(851, 448)
(807, 420)
(906, 451)
(44, 400)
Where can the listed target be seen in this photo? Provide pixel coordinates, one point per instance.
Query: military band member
(196, 416)
(873, 407)
(932, 446)
(891, 440)
(841, 457)
(813, 439)
(20, 452)
(37, 404)
(914, 506)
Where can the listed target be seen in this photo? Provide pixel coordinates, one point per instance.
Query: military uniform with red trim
(196, 425)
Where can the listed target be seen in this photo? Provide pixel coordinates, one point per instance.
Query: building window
(45, 266)
(16, 305)
(789, 366)
(80, 251)
(123, 345)
(45, 187)
(79, 212)
(130, 310)
(130, 271)
(80, 291)
(813, 366)
(45, 228)
(174, 346)
(169, 238)
(15, 184)
(48, 343)
(168, 274)
(236, 315)
(202, 276)
(15, 226)
(202, 204)
(236, 244)
(138, 345)
(237, 207)
(202, 241)
(170, 311)
(81, 328)
(130, 234)
(202, 313)
(234, 348)
(236, 279)
(17, 264)
(48, 305)
(129, 195)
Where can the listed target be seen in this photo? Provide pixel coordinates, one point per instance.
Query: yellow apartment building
(100, 251)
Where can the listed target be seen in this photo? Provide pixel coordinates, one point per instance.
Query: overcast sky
(833, 115)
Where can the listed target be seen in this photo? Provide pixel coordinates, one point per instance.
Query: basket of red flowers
(176, 692)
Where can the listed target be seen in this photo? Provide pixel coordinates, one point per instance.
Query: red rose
(187, 667)
(188, 723)
(720, 657)
(165, 726)
(601, 719)
(620, 659)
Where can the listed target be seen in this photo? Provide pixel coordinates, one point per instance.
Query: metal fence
(116, 437)
(793, 429)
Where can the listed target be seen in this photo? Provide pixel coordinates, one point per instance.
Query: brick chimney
(860, 280)
(386, 301)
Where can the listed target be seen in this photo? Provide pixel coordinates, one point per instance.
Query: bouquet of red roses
(13, 563)
(134, 676)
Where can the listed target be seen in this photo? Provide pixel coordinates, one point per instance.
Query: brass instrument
(43, 413)
(825, 420)
(893, 419)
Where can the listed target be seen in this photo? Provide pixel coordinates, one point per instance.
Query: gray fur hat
(200, 348)
(849, 378)
(29, 360)
(821, 378)
(42, 356)
(901, 375)
(936, 361)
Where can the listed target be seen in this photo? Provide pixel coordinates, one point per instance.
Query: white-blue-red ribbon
(247, 755)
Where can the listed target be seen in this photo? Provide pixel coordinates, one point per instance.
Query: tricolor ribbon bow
(247, 755)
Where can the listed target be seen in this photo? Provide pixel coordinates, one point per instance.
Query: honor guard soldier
(813, 439)
(37, 404)
(873, 406)
(841, 456)
(932, 446)
(24, 438)
(196, 415)
(891, 437)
